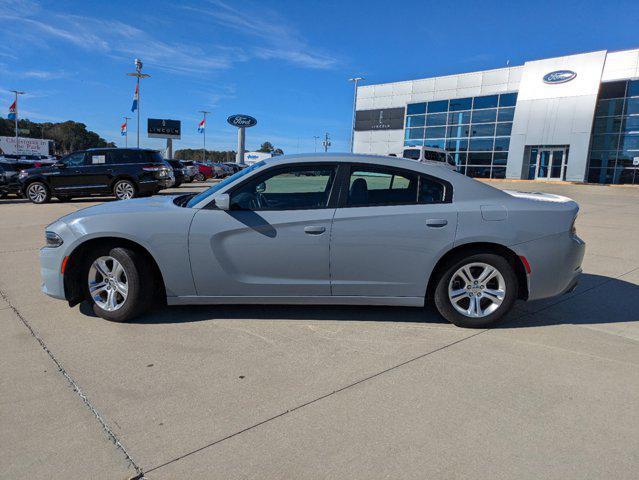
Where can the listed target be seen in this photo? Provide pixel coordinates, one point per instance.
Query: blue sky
(284, 62)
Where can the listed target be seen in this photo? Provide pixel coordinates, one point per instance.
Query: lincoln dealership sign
(164, 128)
(380, 119)
(559, 76)
(242, 121)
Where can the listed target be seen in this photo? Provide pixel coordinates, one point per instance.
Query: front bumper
(50, 273)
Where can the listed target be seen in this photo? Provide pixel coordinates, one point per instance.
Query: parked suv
(123, 172)
(179, 172)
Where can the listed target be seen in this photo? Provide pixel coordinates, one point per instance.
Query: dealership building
(573, 118)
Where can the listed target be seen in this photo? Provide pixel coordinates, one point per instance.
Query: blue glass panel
(478, 172)
(455, 131)
(457, 145)
(475, 158)
(633, 88)
(481, 144)
(502, 144)
(413, 143)
(500, 158)
(609, 108)
(603, 159)
(416, 121)
(630, 124)
(460, 104)
(435, 143)
(632, 106)
(507, 99)
(605, 142)
(438, 106)
(414, 133)
(607, 125)
(630, 142)
(483, 116)
(506, 115)
(498, 172)
(435, 132)
(488, 101)
(436, 119)
(485, 130)
(458, 117)
(503, 129)
(415, 108)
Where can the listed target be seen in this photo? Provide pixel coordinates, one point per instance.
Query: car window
(123, 156)
(431, 191)
(96, 157)
(74, 159)
(290, 188)
(381, 186)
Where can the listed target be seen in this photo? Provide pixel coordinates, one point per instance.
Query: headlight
(53, 239)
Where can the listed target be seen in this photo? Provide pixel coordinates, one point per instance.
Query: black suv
(123, 172)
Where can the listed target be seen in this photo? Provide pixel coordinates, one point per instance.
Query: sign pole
(204, 112)
(138, 74)
(16, 93)
(138, 90)
(126, 133)
(240, 146)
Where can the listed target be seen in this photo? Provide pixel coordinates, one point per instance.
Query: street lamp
(15, 117)
(315, 139)
(355, 81)
(204, 112)
(136, 97)
(326, 142)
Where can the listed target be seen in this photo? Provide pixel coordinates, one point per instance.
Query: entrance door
(551, 164)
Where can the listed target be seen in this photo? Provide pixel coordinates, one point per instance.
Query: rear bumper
(555, 263)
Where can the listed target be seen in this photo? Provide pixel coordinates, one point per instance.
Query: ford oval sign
(559, 76)
(242, 121)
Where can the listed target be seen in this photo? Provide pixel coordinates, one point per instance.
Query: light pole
(204, 112)
(126, 131)
(15, 117)
(355, 81)
(315, 139)
(326, 142)
(136, 97)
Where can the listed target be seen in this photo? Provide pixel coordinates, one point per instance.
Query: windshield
(207, 193)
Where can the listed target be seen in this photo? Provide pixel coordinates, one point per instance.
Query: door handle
(436, 222)
(314, 230)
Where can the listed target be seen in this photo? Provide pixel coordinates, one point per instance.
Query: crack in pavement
(315, 400)
(76, 388)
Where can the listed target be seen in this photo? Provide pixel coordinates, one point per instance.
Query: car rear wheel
(200, 177)
(124, 189)
(118, 283)
(476, 291)
(38, 192)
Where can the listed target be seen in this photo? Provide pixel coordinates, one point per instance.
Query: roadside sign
(242, 121)
(164, 128)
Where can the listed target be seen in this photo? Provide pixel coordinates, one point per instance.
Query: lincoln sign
(242, 121)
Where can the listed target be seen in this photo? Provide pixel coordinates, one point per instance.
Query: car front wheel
(200, 177)
(118, 283)
(124, 189)
(38, 192)
(476, 291)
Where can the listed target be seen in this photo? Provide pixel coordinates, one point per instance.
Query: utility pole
(204, 112)
(315, 139)
(126, 131)
(15, 102)
(327, 142)
(355, 81)
(138, 74)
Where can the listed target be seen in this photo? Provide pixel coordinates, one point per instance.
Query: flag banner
(201, 126)
(123, 129)
(136, 98)
(13, 110)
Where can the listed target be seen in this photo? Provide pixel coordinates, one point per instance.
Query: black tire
(3, 195)
(177, 184)
(445, 305)
(38, 192)
(140, 283)
(199, 177)
(124, 190)
(64, 198)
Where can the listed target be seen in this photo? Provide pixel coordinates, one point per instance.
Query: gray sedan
(320, 229)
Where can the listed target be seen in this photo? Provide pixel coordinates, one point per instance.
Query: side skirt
(319, 300)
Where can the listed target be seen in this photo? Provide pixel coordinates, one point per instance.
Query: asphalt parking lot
(319, 392)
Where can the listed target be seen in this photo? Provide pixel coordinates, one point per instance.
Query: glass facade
(475, 130)
(614, 148)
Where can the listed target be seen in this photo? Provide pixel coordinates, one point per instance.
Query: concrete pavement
(317, 392)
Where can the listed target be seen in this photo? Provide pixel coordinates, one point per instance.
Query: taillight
(153, 168)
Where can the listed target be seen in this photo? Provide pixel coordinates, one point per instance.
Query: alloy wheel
(37, 192)
(124, 190)
(108, 283)
(476, 289)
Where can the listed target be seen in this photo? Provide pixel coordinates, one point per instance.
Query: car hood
(149, 205)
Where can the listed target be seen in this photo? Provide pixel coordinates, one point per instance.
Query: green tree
(266, 147)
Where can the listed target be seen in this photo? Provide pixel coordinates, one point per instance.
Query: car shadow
(597, 299)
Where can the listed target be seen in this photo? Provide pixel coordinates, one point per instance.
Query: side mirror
(223, 201)
(260, 188)
(59, 164)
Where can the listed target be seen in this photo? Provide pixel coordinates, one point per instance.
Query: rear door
(275, 239)
(389, 231)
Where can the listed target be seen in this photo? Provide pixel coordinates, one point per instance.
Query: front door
(387, 237)
(274, 242)
(69, 178)
(551, 164)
